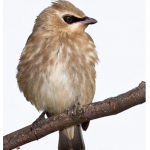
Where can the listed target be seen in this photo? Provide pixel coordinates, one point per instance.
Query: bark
(110, 106)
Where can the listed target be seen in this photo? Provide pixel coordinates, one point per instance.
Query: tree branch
(110, 106)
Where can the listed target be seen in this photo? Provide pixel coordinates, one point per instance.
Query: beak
(90, 21)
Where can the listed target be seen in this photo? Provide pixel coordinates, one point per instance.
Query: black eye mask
(72, 19)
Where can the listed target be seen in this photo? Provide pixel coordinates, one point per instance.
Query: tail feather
(70, 132)
(85, 125)
(77, 143)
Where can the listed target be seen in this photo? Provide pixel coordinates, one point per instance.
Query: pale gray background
(119, 36)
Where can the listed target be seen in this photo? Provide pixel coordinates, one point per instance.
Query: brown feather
(57, 64)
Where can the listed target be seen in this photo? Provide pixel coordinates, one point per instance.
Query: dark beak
(90, 20)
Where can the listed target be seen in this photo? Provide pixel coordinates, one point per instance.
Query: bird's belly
(56, 92)
(60, 91)
(61, 88)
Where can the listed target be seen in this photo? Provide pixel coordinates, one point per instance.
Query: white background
(119, 36)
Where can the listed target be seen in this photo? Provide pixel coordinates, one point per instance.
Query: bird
(56, 69)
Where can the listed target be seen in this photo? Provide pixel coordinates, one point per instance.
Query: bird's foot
(36, 123)
(77, 111)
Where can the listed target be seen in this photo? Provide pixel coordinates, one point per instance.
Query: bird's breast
(60, 76)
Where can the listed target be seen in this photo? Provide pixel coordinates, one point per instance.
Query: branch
(110, 106)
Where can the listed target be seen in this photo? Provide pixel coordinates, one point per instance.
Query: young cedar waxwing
(57, 66)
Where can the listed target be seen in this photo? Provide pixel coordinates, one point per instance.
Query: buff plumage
(57, 65)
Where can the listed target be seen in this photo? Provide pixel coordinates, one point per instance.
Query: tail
(77, 143)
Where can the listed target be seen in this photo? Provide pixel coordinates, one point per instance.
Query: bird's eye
(72, 19)
(68, 19)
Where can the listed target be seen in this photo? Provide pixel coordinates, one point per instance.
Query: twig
(110, 106)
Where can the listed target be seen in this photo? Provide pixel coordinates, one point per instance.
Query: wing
(35, 65)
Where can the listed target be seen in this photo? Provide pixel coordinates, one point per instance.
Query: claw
(36, 123)
(78, 111)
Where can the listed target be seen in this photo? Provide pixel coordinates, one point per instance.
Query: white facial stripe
(74, 26)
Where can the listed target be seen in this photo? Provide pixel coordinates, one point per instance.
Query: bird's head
(63, 16)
